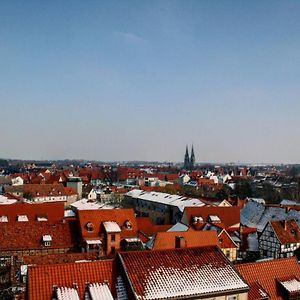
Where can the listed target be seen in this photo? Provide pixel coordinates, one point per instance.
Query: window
(113, 237)
(90, 226)
(227, 253)
(48, 244)
(113, 250)
(232, 297)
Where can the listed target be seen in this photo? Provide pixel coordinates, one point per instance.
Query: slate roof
(257, 215)
(266, 273)
(41, 279)
(188, 272)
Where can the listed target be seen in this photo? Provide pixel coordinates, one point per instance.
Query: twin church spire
(189, 161)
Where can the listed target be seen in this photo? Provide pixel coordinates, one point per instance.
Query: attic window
(197, 219)
(4, 219)
(128, 224)
(47, 239)
(22, 218)
(89, 226)
(214, 219)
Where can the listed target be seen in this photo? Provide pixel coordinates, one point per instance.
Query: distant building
(189, 161)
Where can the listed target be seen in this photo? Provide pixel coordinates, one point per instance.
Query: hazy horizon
(138, 80)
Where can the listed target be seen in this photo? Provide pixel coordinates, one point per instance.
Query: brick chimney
(179, 242)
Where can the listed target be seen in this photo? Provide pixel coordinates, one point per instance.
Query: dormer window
(47, 239)
(89, 226)
(128, 224)
(214, 219)
(42, 218)
(197, 219)
(4, 219)
(22, 218)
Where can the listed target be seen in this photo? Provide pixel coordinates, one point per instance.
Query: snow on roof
(179, 227)
(167, 282)
(188, 272)
(23, 270)
(257, 215)
(93, 242)
(3, 219)
(87, 204)
(133, 240)
(69, 213)
(100, 291)
(174, 200)
(252, 240)
(214, 219)
(22, 218)
(258, 200)
(121, 289)
(5, 200)
(289, 202)
(42, 219)
(292, 285)
(111, 226)
(47, 238)
(66, 293)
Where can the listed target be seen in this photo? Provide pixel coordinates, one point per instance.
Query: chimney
(179, 242)
(285, 225)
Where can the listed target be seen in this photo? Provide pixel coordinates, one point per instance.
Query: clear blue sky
(138, 80)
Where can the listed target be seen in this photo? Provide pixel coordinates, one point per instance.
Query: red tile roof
(266, 272)
(49, 259)
(187, 272)
(167, 240)
(28, 235)
(54, 211)
(228, 215)
(225, 240)
(41, 279)
(287, 231)
(97, 217)
(146, 226)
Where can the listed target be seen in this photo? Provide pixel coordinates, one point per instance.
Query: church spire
(192, 159)
(186, 164)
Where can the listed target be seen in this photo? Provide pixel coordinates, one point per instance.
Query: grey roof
(258, 215)
(179, 227)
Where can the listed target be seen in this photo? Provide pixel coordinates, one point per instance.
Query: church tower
(186, 164)
(192, 159)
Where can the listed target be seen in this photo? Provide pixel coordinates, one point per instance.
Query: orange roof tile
(228, 215)
(41, 279)
(97, 217)
(287, 231)
(167, 240)
(266, 272)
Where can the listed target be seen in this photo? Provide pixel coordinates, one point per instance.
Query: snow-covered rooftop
(188, 272)
(174, 200)
(22, 218)
(5, 200)
(69, 213)
(214, 219)
(111, 226)
(93, 242)
(292, 285)
(4, 219)
(86, 204)
(47, 238)
(66, 293)
(257, 215)
(42, 219)
(100, 291)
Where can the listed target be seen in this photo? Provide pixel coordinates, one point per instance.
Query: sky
(138, 80)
